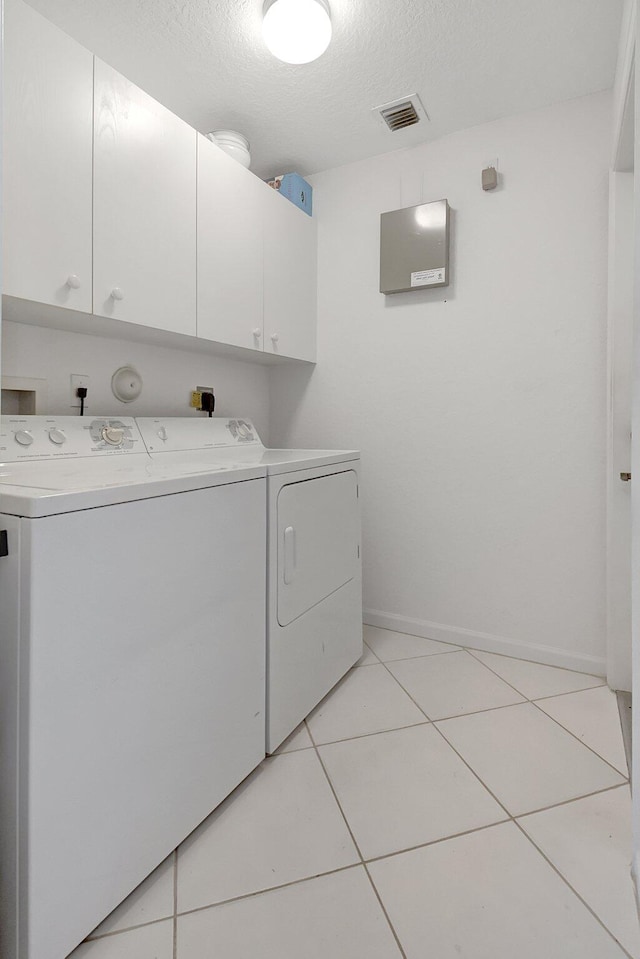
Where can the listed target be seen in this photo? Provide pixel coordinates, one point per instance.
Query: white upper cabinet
(144, 208)
(289, 279)
(113, 206)
(48, 134)
(230, 229)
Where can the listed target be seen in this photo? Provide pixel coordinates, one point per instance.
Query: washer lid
(80, 467)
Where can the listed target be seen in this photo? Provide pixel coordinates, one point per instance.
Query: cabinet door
(48, 135)
(144, 208)
(230, 287)
(289, 279)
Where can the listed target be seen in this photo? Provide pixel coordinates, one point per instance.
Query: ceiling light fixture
(296, 31)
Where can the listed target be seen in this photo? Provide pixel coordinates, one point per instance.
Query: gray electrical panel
(414, 248)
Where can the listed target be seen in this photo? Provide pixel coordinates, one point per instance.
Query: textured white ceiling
(470, 60)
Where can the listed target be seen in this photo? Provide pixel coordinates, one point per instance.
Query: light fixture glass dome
(297, 31)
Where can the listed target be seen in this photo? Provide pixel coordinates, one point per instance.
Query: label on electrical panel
(428, 277)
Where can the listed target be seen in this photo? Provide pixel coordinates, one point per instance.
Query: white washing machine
(132, 665)
(314, 574)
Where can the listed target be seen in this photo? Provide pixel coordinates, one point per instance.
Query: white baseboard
(548, 655)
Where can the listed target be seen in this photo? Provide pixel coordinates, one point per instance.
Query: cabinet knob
(73, 281)
(257, 333)
(117, 294)
(275, 337)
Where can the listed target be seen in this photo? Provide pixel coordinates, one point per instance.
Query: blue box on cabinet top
(295, 188)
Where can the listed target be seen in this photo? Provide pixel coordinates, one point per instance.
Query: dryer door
(318, 541)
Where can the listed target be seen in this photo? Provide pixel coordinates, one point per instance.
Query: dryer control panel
(24, 438)
(177, 434)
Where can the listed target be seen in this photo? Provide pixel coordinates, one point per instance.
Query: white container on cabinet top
(48, 137)
(230, 270)
(144, 208)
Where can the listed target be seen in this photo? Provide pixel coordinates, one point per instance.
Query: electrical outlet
(78, 379)
(196, 396)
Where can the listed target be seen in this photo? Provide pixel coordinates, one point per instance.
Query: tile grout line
(364, 862)
(261, 892)
(576, 894)
(529, 699)
(563, 802)
(475, 712)
(378, 732)
(515, 688)
(534, 662)
(487, 709)
(438, 719)
(355, 843)
(384, 910)
(120, 932)
(335, 796)
(534, 702)
(406, 659)
(577, 738)
(571, 692)
(567, 802)
(502, 806)
(436, 842)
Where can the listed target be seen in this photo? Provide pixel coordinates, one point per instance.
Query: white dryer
(132, 665)
(314, 576)
(314, 570)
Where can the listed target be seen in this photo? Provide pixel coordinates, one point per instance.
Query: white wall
(168, 374)
(479, 409)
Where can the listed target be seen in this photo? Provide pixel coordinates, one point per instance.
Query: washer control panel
(175, 434)
(66, 437)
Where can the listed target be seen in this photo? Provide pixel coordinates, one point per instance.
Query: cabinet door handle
(257, 333)
(73, 281)
(117, 294)
(4, 545)
(289, 554)
(275, 337)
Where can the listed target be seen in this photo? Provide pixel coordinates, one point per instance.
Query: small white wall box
(23, 395)
(414, 247)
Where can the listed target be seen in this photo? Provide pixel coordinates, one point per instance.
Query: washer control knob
(162, 434)
(73, 281)
(113, 435)
(24, 438)
(57, 436)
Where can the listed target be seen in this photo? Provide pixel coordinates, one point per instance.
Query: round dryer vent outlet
(126, 384)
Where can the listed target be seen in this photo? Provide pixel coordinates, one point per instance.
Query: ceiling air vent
(402, 113)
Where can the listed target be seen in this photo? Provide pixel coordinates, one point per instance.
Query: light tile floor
(440, 802)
